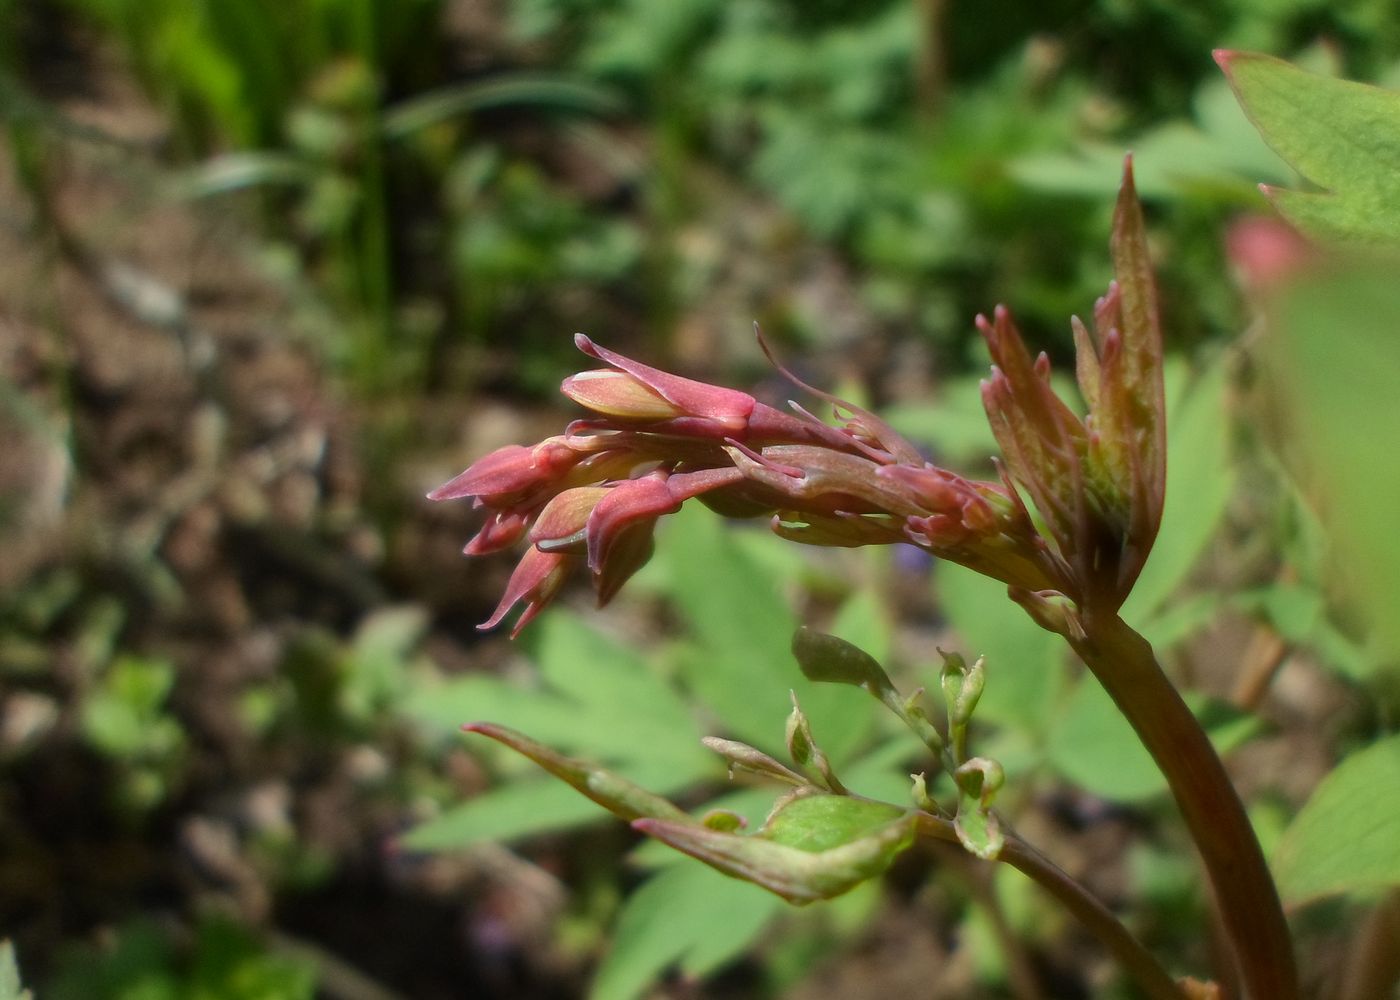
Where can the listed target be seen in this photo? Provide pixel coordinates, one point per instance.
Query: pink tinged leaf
(934, 488)
(727, 407)
(1141, 331)
(502, 529)
(1087, 371)
(979, 518)
(940, 531)
(501, 470)
(618, 394)
(536, 579)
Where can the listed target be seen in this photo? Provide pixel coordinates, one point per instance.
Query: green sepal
(812, 846)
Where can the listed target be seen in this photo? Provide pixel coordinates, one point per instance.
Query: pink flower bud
(561, 525)
(727, 408)
(537, 578)
(509, 472)
(617, 394)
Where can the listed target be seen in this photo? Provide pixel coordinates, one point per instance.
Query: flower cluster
(592, 496)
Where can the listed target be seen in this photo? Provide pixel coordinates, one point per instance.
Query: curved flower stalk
(591, 498)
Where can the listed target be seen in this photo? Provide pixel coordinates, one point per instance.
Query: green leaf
(1093, 746)
(1344, 839)
(687, 914)
(622, 698)
(601, 700)
(812, 847)
(1342, 136)
(532, 807)
(610, 790)
(821, 822)
(520, 89)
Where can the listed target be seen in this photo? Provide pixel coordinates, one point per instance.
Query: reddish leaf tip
(1222, 57)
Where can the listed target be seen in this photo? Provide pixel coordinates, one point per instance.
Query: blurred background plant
(274, 269)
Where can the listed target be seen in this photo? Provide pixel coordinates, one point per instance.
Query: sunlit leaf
(1345, 838)
(687, 915)
(1342, 136)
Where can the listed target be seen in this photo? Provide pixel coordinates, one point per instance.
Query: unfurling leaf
(962, 687)
(812, 847)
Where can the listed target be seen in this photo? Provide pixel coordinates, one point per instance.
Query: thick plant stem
(1124, 663)
(1098, 919)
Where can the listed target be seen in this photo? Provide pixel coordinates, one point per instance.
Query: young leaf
(1342, 136)
(1344, 838)
(833, 660)
(977, 827)
(812, 847)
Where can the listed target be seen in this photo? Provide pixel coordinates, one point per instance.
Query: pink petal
(725, 406)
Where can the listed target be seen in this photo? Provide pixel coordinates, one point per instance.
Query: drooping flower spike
(590, 498)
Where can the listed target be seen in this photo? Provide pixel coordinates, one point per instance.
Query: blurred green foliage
(223, 962)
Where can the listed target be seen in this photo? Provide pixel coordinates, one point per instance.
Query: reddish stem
(1124, 663)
